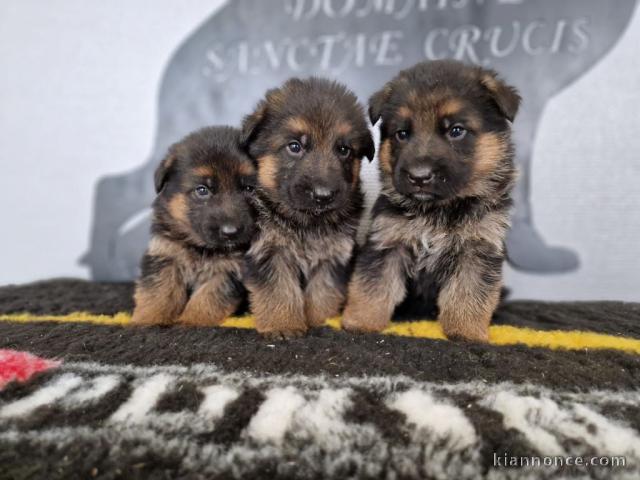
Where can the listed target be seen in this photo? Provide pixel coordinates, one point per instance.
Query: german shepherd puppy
(438, 227)
(202, 225)
(308, 138)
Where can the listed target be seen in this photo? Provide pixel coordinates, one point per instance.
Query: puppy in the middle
(308, 138)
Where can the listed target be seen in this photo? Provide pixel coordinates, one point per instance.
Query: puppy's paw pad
(279, 335)
(467, 337)
(318, 322)
(199, 322)
(145, 321)
(363, 327)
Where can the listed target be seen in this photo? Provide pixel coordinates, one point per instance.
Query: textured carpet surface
(173, 402)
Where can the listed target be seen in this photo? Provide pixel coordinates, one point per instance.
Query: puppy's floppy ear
(369, 148)
(252, 123)
(377, 101)
(505, 96)
(164, 171)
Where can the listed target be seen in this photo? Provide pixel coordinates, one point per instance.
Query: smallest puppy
(202, 224)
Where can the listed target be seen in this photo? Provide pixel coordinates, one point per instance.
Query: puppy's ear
(252, 124)
(505, 96)
(377, 102)
(164, 171)
(369, 148)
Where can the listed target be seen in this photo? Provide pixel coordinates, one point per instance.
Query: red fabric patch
(15, 365)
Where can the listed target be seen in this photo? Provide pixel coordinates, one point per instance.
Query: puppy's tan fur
(441, 241)
(191, 274)
(297, 268)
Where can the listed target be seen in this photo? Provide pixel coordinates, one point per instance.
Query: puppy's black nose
(322, 195)
(229, 230)
(420, 176)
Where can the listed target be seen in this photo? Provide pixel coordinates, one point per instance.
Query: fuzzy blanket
(82, 395)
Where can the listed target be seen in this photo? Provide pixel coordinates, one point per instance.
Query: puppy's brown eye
(202, 191)
(457, 132)
(294, 148)
(402, 135)
(344, 151)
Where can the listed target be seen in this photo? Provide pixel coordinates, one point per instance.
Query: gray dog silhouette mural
(221, 70)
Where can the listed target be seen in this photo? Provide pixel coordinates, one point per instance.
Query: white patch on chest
(416, 235)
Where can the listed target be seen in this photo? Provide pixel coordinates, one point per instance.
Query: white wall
(78, 88)
(589, 139)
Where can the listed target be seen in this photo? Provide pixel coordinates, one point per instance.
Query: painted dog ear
(505, 96)
(377, 102)
(164, 171)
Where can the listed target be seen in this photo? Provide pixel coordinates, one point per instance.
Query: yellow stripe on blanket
(122, 318)
(498, 334)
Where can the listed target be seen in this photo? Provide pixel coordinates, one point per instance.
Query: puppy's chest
(315, 250)
(422, 241)
(198, 271)
(307, 250)
(425, 242)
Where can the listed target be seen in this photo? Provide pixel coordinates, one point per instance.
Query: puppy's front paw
(467, 333)
(277, 335)
(353, 322)
(141, 318)
(318, 317)
(193, 320)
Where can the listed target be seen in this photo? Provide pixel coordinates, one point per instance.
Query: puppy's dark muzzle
(315, 197)
(322, 196)
(230, 235)
(420, 176)
(230, 231)
(418, 182)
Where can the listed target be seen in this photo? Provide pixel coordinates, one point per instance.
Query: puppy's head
(203, 185)
(445, 132)
(308, 138)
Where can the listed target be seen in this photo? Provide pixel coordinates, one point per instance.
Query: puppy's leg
(325, 293)
(160, 294)
(212, 302)
(277, 301)
(471, 294)
(377, 286)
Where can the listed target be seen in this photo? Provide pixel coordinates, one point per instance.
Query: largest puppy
(438, 227)
(308, 139)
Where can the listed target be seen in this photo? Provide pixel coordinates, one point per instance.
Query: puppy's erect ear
(377, 101)
(164, 171)
(251, 125)
(505, 96)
